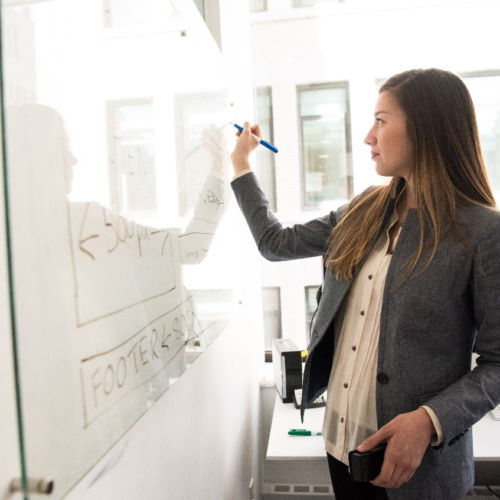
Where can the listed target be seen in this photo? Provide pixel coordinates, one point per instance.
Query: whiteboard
(125, 268)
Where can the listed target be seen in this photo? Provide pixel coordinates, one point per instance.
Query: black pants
(346, 489)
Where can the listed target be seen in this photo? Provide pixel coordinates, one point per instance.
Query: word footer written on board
(157, 352)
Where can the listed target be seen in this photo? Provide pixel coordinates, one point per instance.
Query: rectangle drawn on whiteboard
(117, 263)
(158, 349)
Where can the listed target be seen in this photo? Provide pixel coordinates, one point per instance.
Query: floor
(483, 492)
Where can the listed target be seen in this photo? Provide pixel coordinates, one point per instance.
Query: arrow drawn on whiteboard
(81, 240)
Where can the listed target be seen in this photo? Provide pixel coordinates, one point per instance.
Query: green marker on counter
(303, 432)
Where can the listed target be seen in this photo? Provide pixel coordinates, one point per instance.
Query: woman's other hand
(407, 436)
(244, 146)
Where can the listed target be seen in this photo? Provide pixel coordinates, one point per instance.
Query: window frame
(343, 84)
(268, 354)
(268, 91)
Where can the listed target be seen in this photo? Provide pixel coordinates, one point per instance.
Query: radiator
(277, 491)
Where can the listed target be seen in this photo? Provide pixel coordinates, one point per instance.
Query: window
(311, 306)
(265, 158)
(485, 91)
(258, 5)
(125, 12)
(326, 143)
(271, 305)
(131, 152)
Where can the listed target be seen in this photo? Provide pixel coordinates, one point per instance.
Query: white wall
(197, 441)
(292, 277)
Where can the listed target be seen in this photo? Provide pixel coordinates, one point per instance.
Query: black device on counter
(287, 366)
(366, 466)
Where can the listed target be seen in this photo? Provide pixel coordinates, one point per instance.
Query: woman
(412, 288)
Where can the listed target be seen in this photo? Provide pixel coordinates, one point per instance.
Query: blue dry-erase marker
(262, 141)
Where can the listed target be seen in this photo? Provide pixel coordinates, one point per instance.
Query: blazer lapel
(334, 291)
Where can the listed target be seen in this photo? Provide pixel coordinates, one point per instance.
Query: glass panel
(265, 158)
(485, 92)
(115, 293)
(271, 303)
(324, 143)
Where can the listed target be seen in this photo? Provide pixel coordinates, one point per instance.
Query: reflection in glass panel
(271, 303)
(132, 156)
(193, 114)
(265, 158)
(325, 143)
(485, 92)
(126, 12)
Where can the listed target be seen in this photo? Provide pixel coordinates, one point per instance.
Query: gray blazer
(429, 327)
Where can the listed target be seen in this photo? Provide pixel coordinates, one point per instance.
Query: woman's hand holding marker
(245, 145)
(259, 139)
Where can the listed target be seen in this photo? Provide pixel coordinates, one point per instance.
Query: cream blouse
(351, 412)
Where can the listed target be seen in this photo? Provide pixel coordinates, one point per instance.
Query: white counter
(284, 447)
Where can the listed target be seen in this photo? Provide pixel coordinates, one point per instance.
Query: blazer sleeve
(275, 242)
(466, 401)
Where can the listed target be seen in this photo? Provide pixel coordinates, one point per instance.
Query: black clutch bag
(366, 466)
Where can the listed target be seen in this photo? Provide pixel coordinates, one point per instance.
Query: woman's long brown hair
(448, 170)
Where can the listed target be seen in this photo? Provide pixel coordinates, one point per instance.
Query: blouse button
(370, 277)
(342, 420)
(362, 313)
(345, 385)
(353, 347)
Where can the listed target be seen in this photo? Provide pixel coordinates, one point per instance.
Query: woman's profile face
(391, 148)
